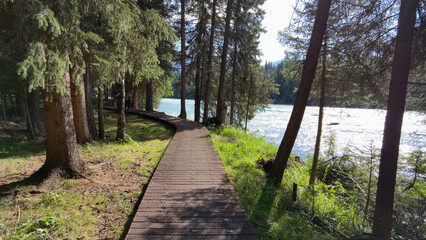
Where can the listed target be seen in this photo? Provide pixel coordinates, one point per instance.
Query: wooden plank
(190, 195)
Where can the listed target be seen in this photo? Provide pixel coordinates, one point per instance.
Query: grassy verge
(79, 208)
(272, 210)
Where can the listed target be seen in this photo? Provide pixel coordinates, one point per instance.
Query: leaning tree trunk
(182, 61)
(89, 105)
(101, 122)
(79, 111)
(221, 108)
(314, 168)
(62, 158)
(149, 105)
(309, 68)
(382, 223)
(209, 64)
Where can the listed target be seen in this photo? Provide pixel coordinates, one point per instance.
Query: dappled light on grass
(271, 210)
(80, 208)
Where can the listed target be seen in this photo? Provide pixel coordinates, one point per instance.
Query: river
(352, 127)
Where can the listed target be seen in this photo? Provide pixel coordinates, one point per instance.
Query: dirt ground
(104, 178)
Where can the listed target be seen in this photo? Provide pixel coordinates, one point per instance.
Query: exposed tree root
(43, 177)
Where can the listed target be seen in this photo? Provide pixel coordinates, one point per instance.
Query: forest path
(189, 195)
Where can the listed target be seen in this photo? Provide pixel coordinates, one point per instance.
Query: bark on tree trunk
(149, 106)
(233, 79)
(200, 53)
(89, 105)
(135, 100)
(382, 223)
(309, 68)
(79, 112)
(121, 121)
(62, 158)
(101, 122)
(314, 168)
(221, 108)
(182, 61)
(209, 64)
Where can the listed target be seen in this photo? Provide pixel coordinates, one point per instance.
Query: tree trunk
(234, 64)
(382, 223)
(34, 109)
(20, 103)
(149, 106)
(135, 100)
(182, 61)
(200, 53)
(370, 176)
(309, 68)
(79, 111)
(221, 108)
(89, 105)
(62, 158)
(101, 122)
(121, 121)
(248, 100)
(314, 168)
(209, 64)
(3, 106)
(30, 127)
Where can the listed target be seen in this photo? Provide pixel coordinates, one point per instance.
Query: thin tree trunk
(309, 68)
(382, 223)
(248, 100)
(143, 95)
(34, 108)
(89, 105)
(135, 101)
(4, 108)
(314, 168)
(101, 122)
(209, 64)
(20, 103)
(62, 157)
(149, 106)
(234, 65)
(370, 176)
(221, 108)
(200, 52)
(182, 61)
(30, 127)
(121, 121)
(79, 112)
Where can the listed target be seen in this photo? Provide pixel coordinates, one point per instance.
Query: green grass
(77, 208)
(271, 210)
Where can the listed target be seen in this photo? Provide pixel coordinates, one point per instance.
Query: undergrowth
(272, 210)
(77, 208)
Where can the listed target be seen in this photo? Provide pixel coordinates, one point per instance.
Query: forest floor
(99, 208)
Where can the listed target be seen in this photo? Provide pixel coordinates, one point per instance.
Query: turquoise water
(352, 127)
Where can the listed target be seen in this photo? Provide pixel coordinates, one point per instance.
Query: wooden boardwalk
(189, 195)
